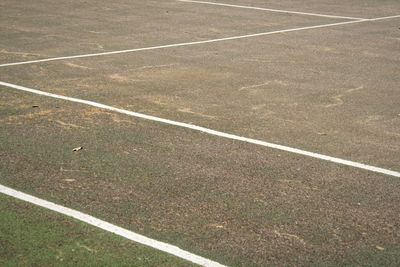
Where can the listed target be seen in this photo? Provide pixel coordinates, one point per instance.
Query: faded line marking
(338, 101)
(290, 236)
(83, 217)
(269, 9)
(23, 54)
(69, 64)
(253, 86)
(188, 110)
(156, 66)
(208, 131)
(67, 125)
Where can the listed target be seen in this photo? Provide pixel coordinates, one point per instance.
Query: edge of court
(86, 218)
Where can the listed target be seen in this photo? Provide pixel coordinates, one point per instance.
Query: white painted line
(165, 247)
(383, 18)
(270, 9)
(179, 44)
(208, 131)
(191, 43)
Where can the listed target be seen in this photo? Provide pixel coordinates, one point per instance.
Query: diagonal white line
(177, 44)
(269, 9)
(191, 43)
(208, 131)
(165, 247)
(383, 18)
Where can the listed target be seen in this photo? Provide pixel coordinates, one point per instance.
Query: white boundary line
(165, 247)
(180, 44)
(208, 131)
(382, 18)
(192, 43)
(269, 9)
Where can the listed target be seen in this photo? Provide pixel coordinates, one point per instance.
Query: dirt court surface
(332, 90)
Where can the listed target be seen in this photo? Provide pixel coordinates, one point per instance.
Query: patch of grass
(32, 236)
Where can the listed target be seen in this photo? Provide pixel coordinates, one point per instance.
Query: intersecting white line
(177, 44)
(269, 9)
(134, 236)
(193, 43)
